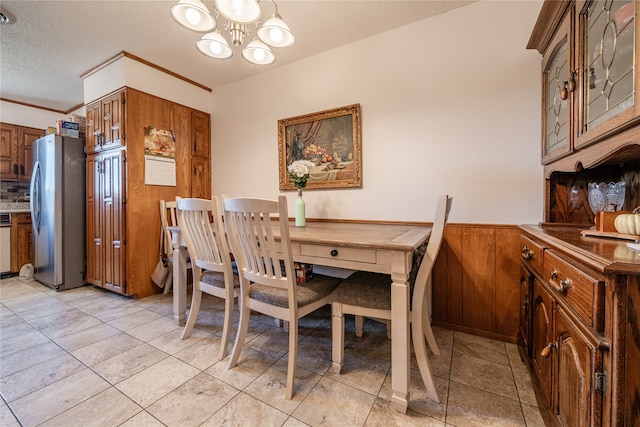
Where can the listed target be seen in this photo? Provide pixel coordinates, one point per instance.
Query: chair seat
(215, 278)
(365, 289)
(315, 289)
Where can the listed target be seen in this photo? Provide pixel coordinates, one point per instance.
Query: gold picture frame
(330, 139)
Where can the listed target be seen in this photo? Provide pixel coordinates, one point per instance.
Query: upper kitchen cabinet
(200, 169)
(105, 123)
(589, 78)
(15, 151)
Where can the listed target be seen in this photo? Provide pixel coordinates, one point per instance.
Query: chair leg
(423, 362)
(428, 334)
(293, 356)
(359, 325)
(226, 327)
(196, 299)
(243, 326)
(337, 337)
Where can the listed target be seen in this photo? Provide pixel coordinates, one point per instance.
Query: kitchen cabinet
(105, 118)
(583, 318)
(123, 221)
(106, 184)
(21, 241)
(16, 157)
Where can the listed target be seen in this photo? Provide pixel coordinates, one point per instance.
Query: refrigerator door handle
(34, 197)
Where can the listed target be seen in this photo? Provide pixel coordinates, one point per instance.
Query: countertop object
(14, 207)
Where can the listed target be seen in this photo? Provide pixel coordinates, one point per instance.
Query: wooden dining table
(366, 246)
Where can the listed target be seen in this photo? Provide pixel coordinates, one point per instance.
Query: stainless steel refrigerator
(58, 211)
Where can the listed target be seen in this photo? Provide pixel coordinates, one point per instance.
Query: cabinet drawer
(339, 253)
(531, 253)
(579, 290)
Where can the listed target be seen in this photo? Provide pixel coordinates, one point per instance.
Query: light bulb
(258, 54)
(215, 48)
(276, 34)
(238, 7)
(193, 16)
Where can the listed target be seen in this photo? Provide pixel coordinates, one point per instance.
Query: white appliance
(5, 243)
(58, 211)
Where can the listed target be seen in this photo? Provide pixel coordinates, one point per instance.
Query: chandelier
(239, 15)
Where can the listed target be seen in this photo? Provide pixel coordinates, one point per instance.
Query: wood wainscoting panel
(476, 280)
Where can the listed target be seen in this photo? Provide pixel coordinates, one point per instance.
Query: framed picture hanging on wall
(329, 139)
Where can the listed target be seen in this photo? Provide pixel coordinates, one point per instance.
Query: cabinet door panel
(112, 112)
(200, 178)
(93, 131)
(524, 336)
(26, 152)
(8, 151)
(542, 338)
(578, 362)
(94, 220)
(200, 131)
(113, 222)
(557, 65)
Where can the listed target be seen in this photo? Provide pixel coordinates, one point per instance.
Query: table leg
(179, 279)
(400, 342)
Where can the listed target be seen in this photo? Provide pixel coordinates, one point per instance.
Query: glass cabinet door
(608, 67)
(558, 89)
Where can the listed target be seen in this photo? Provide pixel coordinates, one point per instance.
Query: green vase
(300, 213)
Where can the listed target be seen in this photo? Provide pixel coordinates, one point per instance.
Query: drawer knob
(547, 350)
(334, 252)
(553, 275)
(564, 285)
(527, 253)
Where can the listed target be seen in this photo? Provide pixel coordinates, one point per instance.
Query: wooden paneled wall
(476, 280)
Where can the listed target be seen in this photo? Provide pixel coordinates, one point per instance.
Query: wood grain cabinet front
(16, 156)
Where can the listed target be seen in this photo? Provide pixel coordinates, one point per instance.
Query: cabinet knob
(547, 350)
(564, 285)
(553, 275)
(22, 170)
(527, 253)
(334, 252)
(15, 169)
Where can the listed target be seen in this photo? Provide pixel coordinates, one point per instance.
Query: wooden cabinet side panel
(507, 290)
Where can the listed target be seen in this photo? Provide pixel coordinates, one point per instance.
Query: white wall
(23, 115)
(450, 104)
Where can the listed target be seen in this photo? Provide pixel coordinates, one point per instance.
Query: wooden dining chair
(267, 276)
(201, 222)
(369, 294)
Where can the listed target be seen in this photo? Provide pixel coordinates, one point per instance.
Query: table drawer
(339, 253)
(531, 253)
(575, 287)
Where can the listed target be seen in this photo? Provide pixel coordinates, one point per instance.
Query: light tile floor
(88, 357)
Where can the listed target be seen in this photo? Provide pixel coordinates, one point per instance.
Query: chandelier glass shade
(239, 15)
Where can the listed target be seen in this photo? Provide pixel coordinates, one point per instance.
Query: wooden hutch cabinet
(580, 293)
(123, 221)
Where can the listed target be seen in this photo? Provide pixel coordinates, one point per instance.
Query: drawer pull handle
(547, 350)
(527, 253)
(564, 285)
(553, 275)
(334, 252)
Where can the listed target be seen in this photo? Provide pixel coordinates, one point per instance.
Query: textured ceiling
(52, 43)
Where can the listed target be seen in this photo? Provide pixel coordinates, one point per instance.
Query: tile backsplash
(13, 191)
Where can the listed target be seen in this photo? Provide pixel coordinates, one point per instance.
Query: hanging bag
(162, 275)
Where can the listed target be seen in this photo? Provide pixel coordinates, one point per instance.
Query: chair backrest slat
(251, 226)
(202, 225)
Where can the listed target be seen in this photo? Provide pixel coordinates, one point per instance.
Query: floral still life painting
(329, 144)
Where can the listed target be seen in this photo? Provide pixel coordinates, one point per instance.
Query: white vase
(300, 213)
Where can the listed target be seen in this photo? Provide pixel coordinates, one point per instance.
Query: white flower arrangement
(299, 172)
